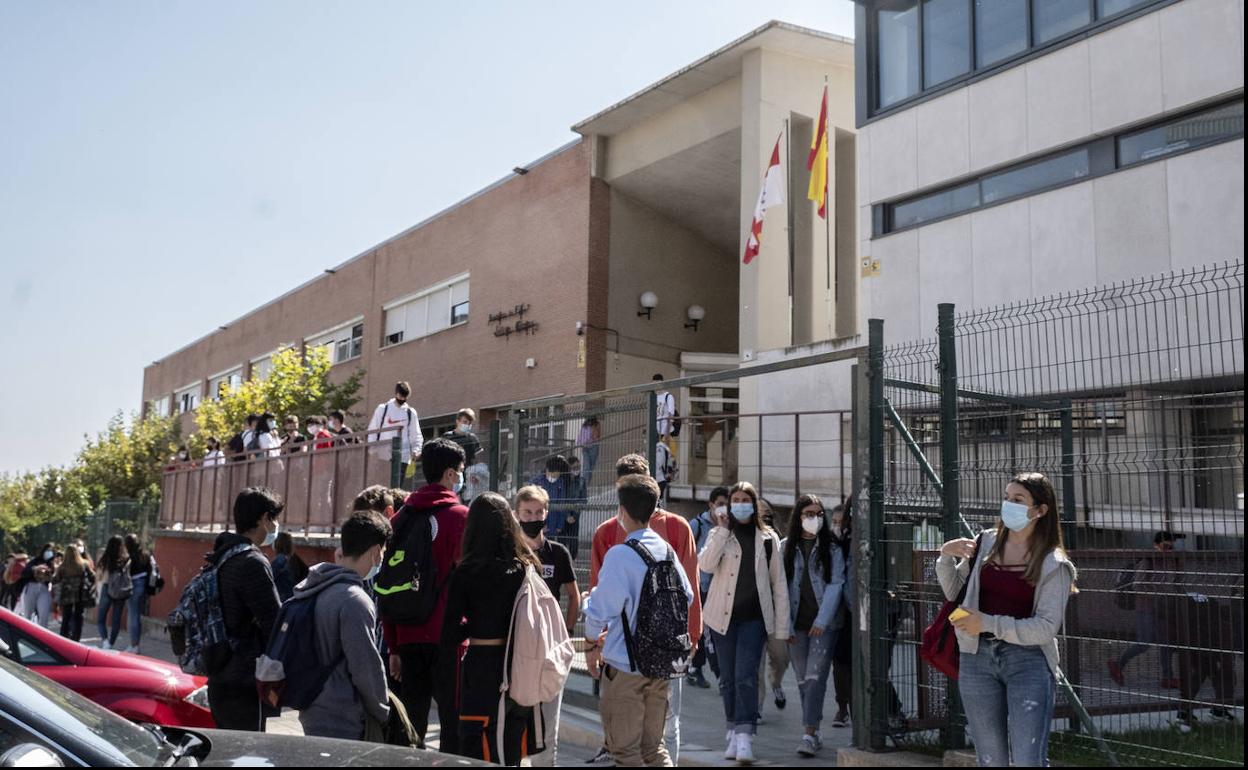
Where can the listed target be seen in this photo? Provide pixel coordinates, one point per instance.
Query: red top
(1004, 592)
(448, 536)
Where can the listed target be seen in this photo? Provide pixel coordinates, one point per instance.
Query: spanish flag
(817, 161)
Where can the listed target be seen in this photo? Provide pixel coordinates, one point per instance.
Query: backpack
(407, 586)
(120, 586)
(661, 646)
(155, 581)
(197, 625)
(539, 647)
(290, 673)
(253, 443)
(235, 444)
(1124, 595)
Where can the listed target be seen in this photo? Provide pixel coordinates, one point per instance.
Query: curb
(581, 729)
(851, 757)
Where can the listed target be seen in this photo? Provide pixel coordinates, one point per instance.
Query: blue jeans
(101, 616)
(1147, 634)
(740, 652)
(1008, 691)
(589, 459)
(812, 661)
(135, 606)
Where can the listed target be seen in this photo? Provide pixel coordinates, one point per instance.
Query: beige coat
(721, 557)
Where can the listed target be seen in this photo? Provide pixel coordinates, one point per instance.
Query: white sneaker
(745, 748)
(809, 746)
(731, 751)
(133, 649)
(104, 645)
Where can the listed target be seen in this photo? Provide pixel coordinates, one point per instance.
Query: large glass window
(1191, 131)
(1110, 7)
(1037, 176)
(946, 40)
(898, 26)
(429, 311)
(936, 205)
(1054, 18)
(1000, 30)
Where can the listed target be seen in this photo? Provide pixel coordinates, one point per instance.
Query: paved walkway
(702, 722)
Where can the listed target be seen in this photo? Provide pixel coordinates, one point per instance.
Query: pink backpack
(539, 647)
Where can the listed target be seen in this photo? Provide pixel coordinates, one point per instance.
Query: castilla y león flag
(817, 161)
(772, 194)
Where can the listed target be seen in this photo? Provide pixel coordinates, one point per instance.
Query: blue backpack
(291, 673)
(197, 625)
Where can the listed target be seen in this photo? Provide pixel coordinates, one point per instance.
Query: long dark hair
(42, 550)
(823, 540)
(491, 533)
(111, 560)
(748, 489)
(135, 549)
(1046, 536)
(846, 509)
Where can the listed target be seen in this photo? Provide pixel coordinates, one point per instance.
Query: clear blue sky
(167, 166)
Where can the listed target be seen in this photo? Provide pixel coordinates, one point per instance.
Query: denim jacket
(830, 594)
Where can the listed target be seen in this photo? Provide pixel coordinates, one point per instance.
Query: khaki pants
(776, 659)
(633, 709)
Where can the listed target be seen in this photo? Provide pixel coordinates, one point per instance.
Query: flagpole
(788, 153)
(833, 304)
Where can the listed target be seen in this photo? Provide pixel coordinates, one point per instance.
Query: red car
(138, 688)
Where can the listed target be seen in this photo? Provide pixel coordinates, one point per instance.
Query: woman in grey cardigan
(1020, 580)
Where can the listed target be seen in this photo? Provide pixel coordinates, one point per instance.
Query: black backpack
(406, 587)
(235, 444)
(661, 646)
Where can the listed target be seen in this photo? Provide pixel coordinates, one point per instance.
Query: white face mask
(272, 424)
(334, 425)
(47, 555)
(464, 427)
(552, 477)
(812, 526)
(271, 537)
(313, 430)
(838, 530)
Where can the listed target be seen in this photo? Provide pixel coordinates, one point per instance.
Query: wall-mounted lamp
(695, 314)
(649, 301)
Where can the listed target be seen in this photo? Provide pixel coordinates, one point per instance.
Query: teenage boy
(464, 436)
(675, 530)
(292, 440)
(414, 661)
(249, 605)
(346, 631)
(532, 506)
(338, 426)
(716, 514)
(397, 418)
(633, 706)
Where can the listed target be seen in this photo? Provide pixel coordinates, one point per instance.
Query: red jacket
(448, 537)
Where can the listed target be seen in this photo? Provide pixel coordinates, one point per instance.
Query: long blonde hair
(73, 563)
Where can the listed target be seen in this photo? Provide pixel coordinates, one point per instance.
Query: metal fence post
(872, 550)
(516, 461)
(953, 734)
(652, 427)
(396, 462)
(496, 432)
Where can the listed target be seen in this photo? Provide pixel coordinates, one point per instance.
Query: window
(428, 312)
(187, 398)
(1097, 157)
(344, 343)
(217, 385)
(34, 654)
(917, 45)
(1050, 172)
(160, 406)
(1208, 127)
(262, 367)
(898, 52)
(946, 40)
(1055, 18)
(1000, 30)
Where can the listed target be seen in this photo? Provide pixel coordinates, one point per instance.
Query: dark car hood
(230, 748)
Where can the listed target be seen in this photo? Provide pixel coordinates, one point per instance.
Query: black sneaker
(602, 758)
(696, 679)
(841, 719)
(781, 701)
(1221, 714)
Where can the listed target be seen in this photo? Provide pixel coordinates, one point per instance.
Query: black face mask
(532, 528)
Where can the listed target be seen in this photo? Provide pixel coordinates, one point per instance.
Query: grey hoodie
(346, 625)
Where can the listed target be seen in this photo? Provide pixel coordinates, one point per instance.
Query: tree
(52, 496)
(298, 385)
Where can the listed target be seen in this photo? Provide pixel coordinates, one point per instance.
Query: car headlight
(199, 698)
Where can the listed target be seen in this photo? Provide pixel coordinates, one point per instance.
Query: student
(748, 603)
(815, 570)
(664, 466)
(532, 508)
(396, 418)
(776, 652)
(266, 439)
(716, 514)
(249, 605)
(36, 595)
(76, 581)
(634, 705)
(587, 440)
(665, 415)
(480, 598)
(462, 434)
(559, 488)
(114, 561)
(1152, 577)
(142, 574)
(346, 631)
(288, 568)
(239, 443)
(579, 491)
(317, 433)
(338, 427)
(675, 531)
(415, 662)
(1019, 583)
(842, 648)
(292, 441)
(214, 455)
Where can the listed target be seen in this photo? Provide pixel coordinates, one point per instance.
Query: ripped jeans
(812, 661)
(1008, 691)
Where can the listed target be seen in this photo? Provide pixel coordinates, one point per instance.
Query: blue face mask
(459, 482)
(1015, 516)
(271, 537)
(742, 511)
(372, 573)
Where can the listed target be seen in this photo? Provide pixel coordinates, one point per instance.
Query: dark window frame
(868, 107)
(1103, 159)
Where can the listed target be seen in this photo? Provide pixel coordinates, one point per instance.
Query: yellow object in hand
(958, 614)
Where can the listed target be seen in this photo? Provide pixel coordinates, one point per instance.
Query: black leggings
(71, 621)
(480, 675)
